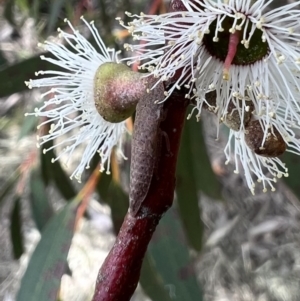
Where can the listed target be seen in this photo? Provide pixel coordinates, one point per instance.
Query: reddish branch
(119, 274)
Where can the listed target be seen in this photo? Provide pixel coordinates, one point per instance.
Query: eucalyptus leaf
(104, 180)
(29, 125)
(8, 12)
(41, 280)
(55, 9)
(152, 282)
(170, 254)
(2, 59)
(55, 172)
(41, 208)
(187, 191)
(206, 180)
(16, 229)
(13, 77)
(293, 164)
(118, 202)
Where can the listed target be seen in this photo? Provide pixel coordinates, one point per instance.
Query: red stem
(119, 274)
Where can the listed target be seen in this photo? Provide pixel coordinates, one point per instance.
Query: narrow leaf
(46, 167)
(151, 281)
(28, 126)
(63, 181)
(56, 173)
(187, 191)
(8, 12)
(55, 9)
(118, 202)
(2, 59)
(12, 78)
(293, 164)
(16, 229)
(104, 180)
(41, 208)
(41, 280)
(170, 253)
(206, 180)
(35, 7)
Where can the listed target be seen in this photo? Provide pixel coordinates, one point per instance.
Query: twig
(119, 274)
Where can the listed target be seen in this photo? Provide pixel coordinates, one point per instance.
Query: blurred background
(217, 243)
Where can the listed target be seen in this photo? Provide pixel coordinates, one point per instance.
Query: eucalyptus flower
(226, 46)
(70, 109)
(248, 56)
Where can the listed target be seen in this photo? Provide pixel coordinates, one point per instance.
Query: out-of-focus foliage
(194, 175)
(293, 163)
(170, 254)
(41, 208)
(15, 229)
(49, 259)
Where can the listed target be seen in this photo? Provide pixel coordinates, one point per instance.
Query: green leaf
(62, 181)
(206, 180)
(35, 7)
(170, 254)
(12, 78)
(28, 126)
(2, 59)
(293, 164)
(112, 194)
(56, 173)
(55, 8)
(151, 281)
(29, 122)
(187, 190)
(16, 229)
(41, 208)
(46, 167)
(117, 199)
(8, 12)
(23, 4)
(9, 184)
(41, 280)
(103, 183)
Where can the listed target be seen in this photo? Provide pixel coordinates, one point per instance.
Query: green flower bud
(117, 91)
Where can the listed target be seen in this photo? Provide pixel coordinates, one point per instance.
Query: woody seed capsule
(274, 144)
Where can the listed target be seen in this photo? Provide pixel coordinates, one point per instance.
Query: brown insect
(146, 142)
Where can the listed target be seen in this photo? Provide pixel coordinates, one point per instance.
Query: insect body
(145, 146)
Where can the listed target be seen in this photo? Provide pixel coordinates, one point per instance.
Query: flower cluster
(245, 55)
(70, 107)
(237, 59)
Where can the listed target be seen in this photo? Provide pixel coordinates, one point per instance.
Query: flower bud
(274, 144)
(117, 91)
